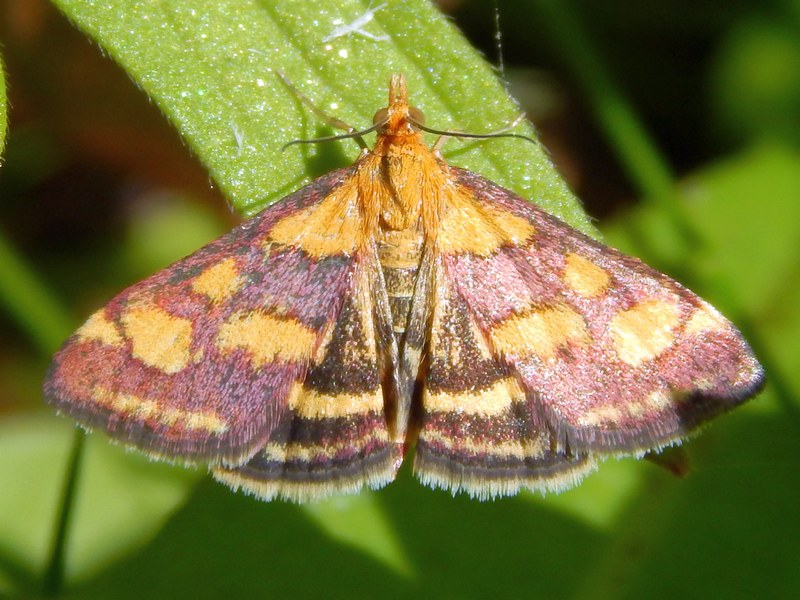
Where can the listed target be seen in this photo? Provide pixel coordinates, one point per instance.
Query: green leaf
(121, 502)
(211, 66)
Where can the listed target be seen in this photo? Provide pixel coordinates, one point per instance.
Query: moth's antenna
(352, 133)
(500, 133)
(356, 135)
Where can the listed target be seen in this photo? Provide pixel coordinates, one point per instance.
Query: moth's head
(398, 118)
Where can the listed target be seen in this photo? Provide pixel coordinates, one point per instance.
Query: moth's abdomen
(400, 253)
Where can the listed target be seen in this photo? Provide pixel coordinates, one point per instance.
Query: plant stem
(53, 580)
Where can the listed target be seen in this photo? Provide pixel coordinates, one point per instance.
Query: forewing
(612, 355)
(198, 362)
(337, 436)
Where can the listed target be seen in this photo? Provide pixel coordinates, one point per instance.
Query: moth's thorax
(401, 183)
(403, 176)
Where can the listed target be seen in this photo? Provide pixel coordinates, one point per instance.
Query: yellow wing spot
(99, 328)
(219, 282)
(584, 277)
(489, 402)
(656, 401)
(520, 449)
(145, 409)
(304, 453)
(206, 421)
(662, 400)
(599, 415)
(541, 332)
(158, 339)
(643, 332)
(636, 410)
(334, 226)
(703, 385)
(311, 404)
(468, 227)
(266, 338)
(659, 400)
(128, 405)
(705, 319)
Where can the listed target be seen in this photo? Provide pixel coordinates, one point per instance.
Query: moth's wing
(339, 435)
(479, 429)
(547, 349)
(206, 360)
(617, 356)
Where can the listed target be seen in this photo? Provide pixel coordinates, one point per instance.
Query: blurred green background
(676, 123)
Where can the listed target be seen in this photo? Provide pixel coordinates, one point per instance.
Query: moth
(398, 303)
